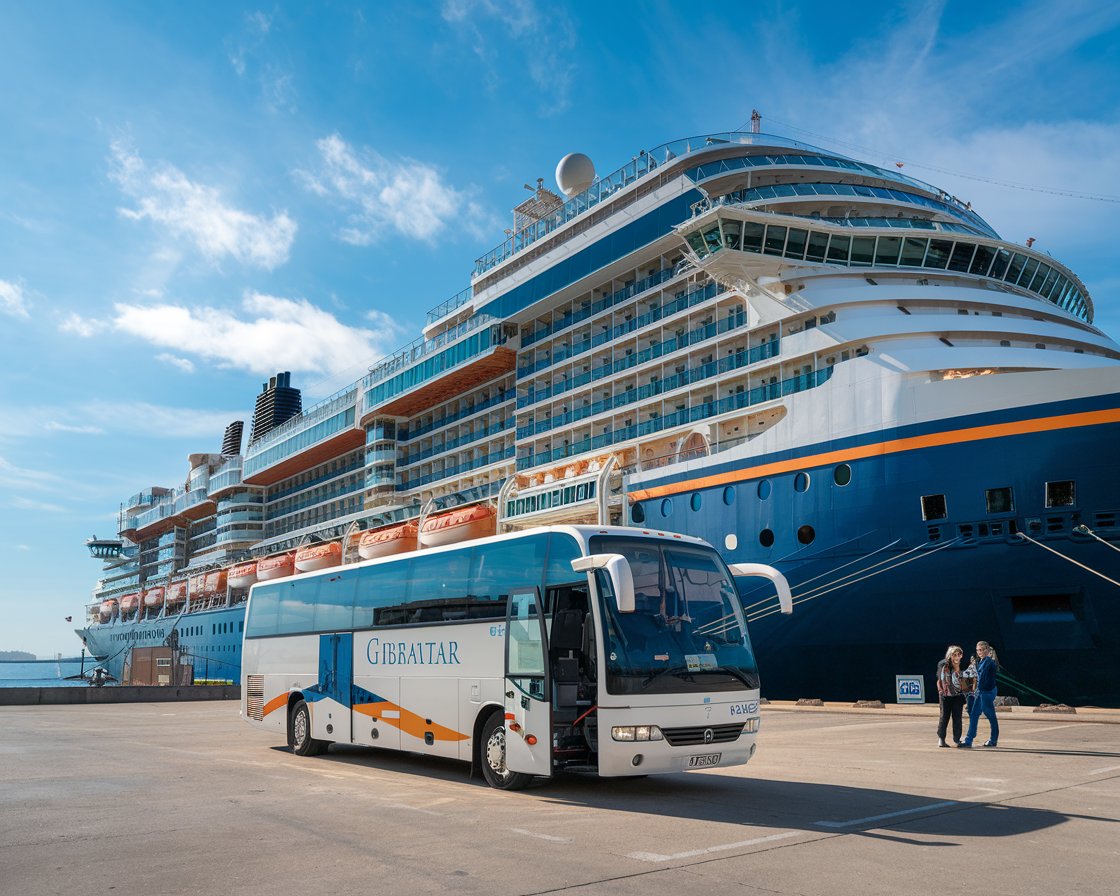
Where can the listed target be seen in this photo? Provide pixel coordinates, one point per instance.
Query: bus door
(336, 672)
(527, 706)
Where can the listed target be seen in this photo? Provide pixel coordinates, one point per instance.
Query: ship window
(1061, 494)
(838, 248)
(961, 257)
(818, 242)
(766, 538)
(752, 236)
(764, 489)
(842, 475)
(1042, 608)
(1028, 272)
(913, 251)
(982, 260)
(729, 496)
(666, 507)
(1015, 269)
(775, 239)
(806, 534)
(638, 513)
(695, 501)
(1005, 343)
(933, 507)
(999, 500)
(801, 482)
(999, 266)
(863, 249)
(887, 249)
(795, 243)
(938, 255)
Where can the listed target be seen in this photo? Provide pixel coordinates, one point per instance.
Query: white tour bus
(570, 648)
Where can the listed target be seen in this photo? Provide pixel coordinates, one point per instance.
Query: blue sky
(195, 196)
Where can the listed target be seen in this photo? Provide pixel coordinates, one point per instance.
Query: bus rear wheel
(494, 756)
(299, 732)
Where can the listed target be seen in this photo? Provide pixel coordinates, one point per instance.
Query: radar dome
(574, 174)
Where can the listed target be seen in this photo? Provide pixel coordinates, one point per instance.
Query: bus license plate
(706, 761)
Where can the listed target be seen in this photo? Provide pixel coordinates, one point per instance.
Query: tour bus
(613, 651)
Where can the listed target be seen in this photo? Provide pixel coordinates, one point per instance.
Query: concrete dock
(170, 798)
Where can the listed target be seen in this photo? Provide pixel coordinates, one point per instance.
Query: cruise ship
(805, 359)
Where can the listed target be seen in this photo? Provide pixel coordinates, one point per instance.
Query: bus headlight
(636, 732)
(751, 727)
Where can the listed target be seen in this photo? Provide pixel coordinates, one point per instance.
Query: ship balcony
(195, 505)
(469, 410)
(226, 477)
(322, 434)
(105, 548)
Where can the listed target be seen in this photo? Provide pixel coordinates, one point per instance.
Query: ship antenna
(756, 122)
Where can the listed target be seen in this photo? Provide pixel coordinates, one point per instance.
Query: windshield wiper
(682, 672)
(734, 673)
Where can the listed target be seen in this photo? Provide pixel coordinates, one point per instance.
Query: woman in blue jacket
(985, 696)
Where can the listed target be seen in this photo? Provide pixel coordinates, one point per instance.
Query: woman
(985, 704)
(950, 693)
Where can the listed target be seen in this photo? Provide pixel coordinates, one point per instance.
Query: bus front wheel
(494, 756)
(299, 732)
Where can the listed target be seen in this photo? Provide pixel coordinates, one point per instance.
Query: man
(985, 703)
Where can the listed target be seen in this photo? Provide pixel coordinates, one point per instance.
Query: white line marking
(855, 821)
(657, 857)
(1101, 771)
(541, 836)
(1047, 728)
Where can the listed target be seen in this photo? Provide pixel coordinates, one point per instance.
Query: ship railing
(318, 412)
(703, 411)
(455, 470)
(405, 434)
(457, 443)
(456, 301)
(420, 348)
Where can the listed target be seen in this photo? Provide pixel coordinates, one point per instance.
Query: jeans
(951, 707)
(985, 705)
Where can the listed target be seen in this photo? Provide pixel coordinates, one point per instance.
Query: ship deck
(186, 798)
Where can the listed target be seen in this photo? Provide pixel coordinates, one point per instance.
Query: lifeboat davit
(176, 593)
(318, 556)
(153, 598)
(129, 603)
(275, 567)
(108, 610)
(243, 575)
(389, 541)
(477, 521)
(216, 581)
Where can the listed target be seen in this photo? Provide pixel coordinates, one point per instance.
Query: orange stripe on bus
(893, 446)
(408, 721)
(274, 704)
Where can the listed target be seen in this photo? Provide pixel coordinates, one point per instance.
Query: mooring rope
(1025, 536)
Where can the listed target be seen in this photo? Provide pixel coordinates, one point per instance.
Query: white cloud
(12, 476)
(28, 504)
(273, 333)
(198, 213)
(12, 299)
(408, 197)
(55, 426)
(81, 326)
(183, 364)
(26, 547)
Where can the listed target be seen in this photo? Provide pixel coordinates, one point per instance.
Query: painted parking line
(856, 821)
(1101, 771)
(723, 847)
(540, 836)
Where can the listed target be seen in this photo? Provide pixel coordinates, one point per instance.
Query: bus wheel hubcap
(496, 751)
(300, 728)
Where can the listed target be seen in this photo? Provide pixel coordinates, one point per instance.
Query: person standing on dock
(950, 693)
(985, 696)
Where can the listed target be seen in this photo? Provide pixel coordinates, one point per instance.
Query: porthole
(695, 501)
(729, 496)
(764, 489)
(801, 482)
(806, 534)
(638, 513)
(666, 507)
(766, 538)
(842, 475)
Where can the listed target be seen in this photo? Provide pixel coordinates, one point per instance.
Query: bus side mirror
(616, 567)
(785, 599)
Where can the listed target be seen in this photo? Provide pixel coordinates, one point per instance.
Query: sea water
(43, 673)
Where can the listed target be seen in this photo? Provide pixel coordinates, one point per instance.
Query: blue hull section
(209, 639)
(916, 586)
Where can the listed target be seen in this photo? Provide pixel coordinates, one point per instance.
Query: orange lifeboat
(216, 581)
(129, 603)
(153, 598)
(458, 525)
(318, 556)
(388, 541)
(197, 585)
(243, 575)
(108, 610)
(176, 593)
(275, 567)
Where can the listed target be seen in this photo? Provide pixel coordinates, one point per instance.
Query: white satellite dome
(574, 174)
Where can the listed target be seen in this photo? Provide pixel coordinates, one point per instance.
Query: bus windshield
(687, 632)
